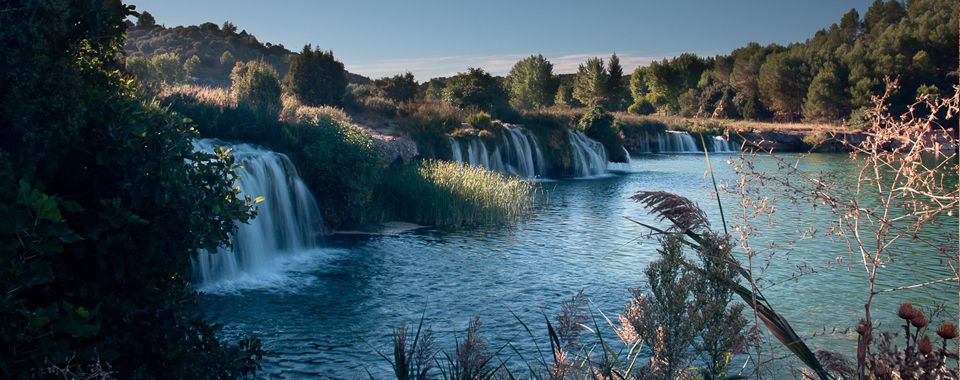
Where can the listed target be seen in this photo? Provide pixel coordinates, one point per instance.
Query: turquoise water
(326, 312)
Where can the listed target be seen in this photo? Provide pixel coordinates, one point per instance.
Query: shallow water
(327, 312)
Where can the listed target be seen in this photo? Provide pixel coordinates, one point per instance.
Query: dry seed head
(947, 331)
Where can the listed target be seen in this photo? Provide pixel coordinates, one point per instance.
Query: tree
(256, 88)
(146, 20)
(228, 27)
(529, 83)
(475, 88)
(826, 99)
(783, 84)
(399, 88)
(316, 77)
(103, 204)
(590, 86)
(616, 90)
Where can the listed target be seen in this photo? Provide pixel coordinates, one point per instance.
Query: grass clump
(452, 194)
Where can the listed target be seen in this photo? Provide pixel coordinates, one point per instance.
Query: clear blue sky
(440, 37)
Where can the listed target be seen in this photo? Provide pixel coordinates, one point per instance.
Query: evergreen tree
(565, 97)
(783, 84)
(529, 83)
(826, 98)
(590, 86)
(316, 77)
(190, 66)
(616, 90)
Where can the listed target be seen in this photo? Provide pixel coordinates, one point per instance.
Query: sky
(433, 38)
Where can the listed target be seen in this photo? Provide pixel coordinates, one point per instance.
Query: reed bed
(453, 194)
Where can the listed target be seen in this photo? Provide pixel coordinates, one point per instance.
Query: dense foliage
(477, 89)
(339, 161)
(256, 89)
(316, 77)
(102, 206)
(531, 83)
(825, 78)
(398, 88)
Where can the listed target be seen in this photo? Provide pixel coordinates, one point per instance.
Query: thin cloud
(441, 66)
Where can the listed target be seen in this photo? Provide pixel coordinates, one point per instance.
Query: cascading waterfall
(287, 221)
(680, 142)
(721, 145)
(589, 156)
(518, 154)
(676, 142)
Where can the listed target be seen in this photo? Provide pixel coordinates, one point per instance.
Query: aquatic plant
(453, 194)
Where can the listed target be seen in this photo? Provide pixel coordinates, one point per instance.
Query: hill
(210, 43)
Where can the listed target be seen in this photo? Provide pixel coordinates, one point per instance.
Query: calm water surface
(327, 312)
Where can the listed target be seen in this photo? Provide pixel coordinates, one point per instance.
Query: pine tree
(826, 99)
(590, 87)
(616, 91)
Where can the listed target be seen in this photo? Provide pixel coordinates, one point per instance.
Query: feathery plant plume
(690, 221)
(472, 359)
(571, 320)
(683, 214)
(413, 361)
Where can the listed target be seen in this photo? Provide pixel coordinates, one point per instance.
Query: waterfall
(589, 156)
(623, 167)
(518, 153)
(287, 221)
(680, 142)
(676, 142)
(721, 145)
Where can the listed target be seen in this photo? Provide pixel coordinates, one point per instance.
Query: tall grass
(453, 194)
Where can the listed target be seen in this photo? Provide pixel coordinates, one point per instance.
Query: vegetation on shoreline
(103, 203)
(453, 194)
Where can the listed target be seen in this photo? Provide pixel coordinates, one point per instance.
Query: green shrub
(453, 194)
(256, 88)
(339, 161)
(598, 125)
(399, 88)
(316, 77)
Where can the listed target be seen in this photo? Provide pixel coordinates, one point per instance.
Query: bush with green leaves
(338, 160)
(316, 77)
(103, 204)
(429, 124)
(475, 89)
(256, 88)
(399, 88)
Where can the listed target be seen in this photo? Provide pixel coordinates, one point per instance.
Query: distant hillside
(208, 42)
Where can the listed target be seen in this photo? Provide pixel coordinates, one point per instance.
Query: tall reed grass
(453, 194)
